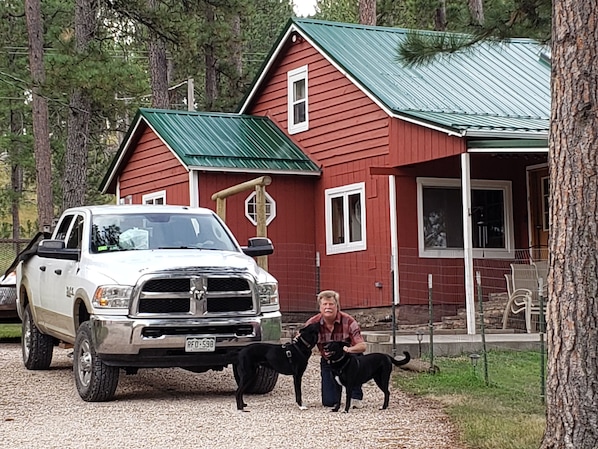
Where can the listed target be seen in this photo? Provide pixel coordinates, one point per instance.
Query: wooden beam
(261, 181)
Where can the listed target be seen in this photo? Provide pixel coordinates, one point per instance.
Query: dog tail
(404, 361)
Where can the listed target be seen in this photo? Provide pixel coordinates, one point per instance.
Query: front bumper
(128, 342)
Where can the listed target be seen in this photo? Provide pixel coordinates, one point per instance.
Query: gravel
(174, 408)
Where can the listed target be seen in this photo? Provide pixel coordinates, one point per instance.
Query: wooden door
(539, 213)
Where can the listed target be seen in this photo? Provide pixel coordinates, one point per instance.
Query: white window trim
(154, 196)
(478, 253)
(269, 199)
(345, 191)
(292, 77)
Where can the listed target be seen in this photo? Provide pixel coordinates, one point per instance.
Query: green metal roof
(216, 141)
(492, 87)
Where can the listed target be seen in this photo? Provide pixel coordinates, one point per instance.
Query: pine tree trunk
(158, 66)
(572, 384)
(236, 54)
(211, 82)
(74, 181)
(41, 135)
(16, 177)
(440, 18)
(476, 11)
(367, 12)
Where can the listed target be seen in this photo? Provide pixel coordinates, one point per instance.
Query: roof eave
(507, 134)
(255, 171)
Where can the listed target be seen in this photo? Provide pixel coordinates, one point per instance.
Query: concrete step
(451, 345)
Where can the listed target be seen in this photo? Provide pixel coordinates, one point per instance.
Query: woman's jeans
(331, 389)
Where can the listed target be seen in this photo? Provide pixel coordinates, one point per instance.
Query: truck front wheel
(95, 381)
(264, 381)
(37, 347)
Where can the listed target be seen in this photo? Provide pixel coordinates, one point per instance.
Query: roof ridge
(400, 30)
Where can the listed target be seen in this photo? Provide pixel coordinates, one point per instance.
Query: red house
(383, 174)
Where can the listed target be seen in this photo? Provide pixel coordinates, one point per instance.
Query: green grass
(508, 413)
(10, 331)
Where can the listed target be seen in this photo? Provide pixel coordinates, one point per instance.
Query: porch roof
(217, 141)
(490, 89)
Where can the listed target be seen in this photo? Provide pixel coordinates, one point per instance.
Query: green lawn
(508, 413)
(10, 331)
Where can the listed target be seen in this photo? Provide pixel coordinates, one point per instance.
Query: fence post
(542, 373)
(431, 322)
(482, 326)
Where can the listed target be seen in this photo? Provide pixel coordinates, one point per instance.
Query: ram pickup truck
(130, 287)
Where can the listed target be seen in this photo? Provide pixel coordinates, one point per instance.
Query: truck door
(59, 301)
(45, 282)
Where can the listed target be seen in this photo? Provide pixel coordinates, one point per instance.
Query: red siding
(152, 167)
(344, 124)
(292, 231)
(348, 134)
(413, 144)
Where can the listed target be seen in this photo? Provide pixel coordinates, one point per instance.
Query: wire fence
(432, 299)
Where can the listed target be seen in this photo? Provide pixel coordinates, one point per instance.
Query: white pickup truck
(134, 287)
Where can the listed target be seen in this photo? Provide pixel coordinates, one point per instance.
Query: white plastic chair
(523, 291)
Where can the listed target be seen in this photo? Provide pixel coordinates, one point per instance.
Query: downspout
(467, 242)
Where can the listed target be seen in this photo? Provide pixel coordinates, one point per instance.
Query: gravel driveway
(174, 408)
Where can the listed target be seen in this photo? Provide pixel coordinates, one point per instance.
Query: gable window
(440, 218)
(345, 219)
(154, 198)
(251, 208)
(298, 117)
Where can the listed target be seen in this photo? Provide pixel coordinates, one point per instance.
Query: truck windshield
(158, 231)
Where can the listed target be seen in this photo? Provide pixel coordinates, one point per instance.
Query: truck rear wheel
(37, 347)
(95, 381)
(264, 382)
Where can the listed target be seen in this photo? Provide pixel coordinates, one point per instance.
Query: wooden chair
(522, 288)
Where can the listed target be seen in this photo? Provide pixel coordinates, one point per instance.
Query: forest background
(97, 61)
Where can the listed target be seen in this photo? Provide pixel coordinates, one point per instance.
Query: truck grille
(194, 296)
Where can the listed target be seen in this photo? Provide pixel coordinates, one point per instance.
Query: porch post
(193, 188)
(394, 238)
(467, 242)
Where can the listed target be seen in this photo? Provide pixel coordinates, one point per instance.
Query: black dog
(290, 359)
(351, 370)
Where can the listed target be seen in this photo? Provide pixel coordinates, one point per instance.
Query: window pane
(338, 231)
(299, 90)
(76, 234)
(487, 215)
(354, 218)
(299, 113)
(443, 225)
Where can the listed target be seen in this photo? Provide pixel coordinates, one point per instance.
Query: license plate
(200, 344)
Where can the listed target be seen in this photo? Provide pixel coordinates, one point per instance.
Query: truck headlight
(268, 293)
(112, 296)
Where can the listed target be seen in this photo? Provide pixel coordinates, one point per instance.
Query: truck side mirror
(258, 246)
(55, 249)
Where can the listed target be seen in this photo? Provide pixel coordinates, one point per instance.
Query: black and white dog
(351, 370)
(289, 359)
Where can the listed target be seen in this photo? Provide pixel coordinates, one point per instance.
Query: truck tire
(264, 382)
(95, 381)
(37, 348)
